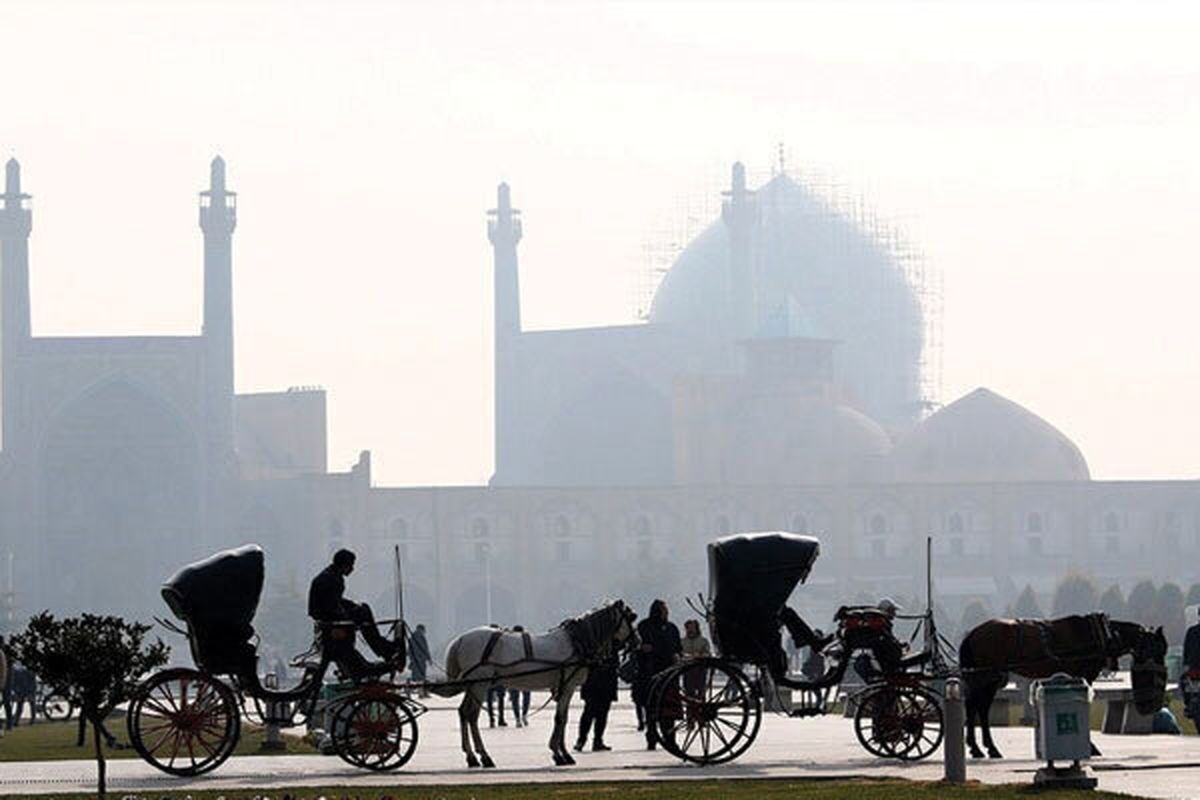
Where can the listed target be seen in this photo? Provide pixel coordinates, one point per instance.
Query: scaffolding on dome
(856, 230)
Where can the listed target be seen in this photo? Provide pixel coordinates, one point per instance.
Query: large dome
(815, 263)
(984, 437)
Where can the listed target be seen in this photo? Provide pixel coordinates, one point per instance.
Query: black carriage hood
(751, 575)
(223, 589)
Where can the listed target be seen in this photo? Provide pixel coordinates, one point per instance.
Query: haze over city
(1048, 171)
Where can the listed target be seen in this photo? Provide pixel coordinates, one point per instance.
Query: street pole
(953, 746)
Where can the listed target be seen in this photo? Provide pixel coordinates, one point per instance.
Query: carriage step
(807, 712)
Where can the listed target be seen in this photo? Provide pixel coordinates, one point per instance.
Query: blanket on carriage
(217, 598)
(750, 578)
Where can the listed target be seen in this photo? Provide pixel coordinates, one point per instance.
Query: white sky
(1043, 156)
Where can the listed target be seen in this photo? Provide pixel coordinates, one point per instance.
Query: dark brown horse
(1080, 646)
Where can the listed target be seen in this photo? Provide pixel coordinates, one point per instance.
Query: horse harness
(1101, 643)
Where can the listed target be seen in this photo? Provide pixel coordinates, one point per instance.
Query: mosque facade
(777, 385)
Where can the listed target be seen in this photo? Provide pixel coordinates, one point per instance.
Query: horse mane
(590, 630)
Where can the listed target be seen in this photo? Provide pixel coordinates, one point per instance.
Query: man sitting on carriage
(338, 618)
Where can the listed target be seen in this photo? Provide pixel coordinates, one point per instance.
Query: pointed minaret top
(504, 221)
(12, 177)
(739, 177)
(503, 199)
(217, 182)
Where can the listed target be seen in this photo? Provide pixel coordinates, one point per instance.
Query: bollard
(953, 747)
(273, 740)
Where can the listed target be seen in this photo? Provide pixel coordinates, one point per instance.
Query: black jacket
(1191, 648)
(664, 646)
(601, 683)
(325, 595)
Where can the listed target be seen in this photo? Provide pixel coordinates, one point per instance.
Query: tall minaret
(218, 218)
(16, 220)
(740, 213)
(504, 231)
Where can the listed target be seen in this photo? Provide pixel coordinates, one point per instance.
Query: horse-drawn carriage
(709, 710)
(188, 721)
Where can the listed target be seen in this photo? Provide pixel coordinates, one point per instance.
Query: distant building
(778, 384)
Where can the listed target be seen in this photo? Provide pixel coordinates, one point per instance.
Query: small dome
(983, 437)
(811, 441)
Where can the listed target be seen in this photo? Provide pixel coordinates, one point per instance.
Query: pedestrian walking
(659, 650)
(599, 692)
(420, 658)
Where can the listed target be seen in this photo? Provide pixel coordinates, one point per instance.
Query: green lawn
(667, 790)
(47, 741)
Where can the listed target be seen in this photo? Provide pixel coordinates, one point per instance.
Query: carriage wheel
(56, 707)
(902, 722)
(184, 722)
(706, 712)
(377, 733)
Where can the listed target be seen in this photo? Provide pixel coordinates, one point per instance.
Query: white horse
(556, 660)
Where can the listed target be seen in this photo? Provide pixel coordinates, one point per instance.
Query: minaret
(504, 231)
(740, 213)
(218, 218)
(16, 220)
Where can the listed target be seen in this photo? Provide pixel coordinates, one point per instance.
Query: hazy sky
(1044, 157)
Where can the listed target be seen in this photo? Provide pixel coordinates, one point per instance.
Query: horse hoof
(488, 763)
(472, 763)
(994, 754)
(976, 754)
(568, 760)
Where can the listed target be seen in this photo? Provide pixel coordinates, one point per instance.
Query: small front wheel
(376, 732)
(903, 722)
(184, 722)
(57, 707)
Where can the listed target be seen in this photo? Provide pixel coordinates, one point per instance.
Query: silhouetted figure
(420, 657)
(599, 692)
(24, 689)
(326, 603)
(495, 695)
(518, 699)
(1191, 671)
(660, 649)
(5, 685)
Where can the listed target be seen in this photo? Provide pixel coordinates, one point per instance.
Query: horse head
(1149, 672)
(624, 634)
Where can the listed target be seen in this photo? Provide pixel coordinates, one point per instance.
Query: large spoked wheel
(374, 732)
(706, 711)
(57, 708)
(902, 722)
(184, 722)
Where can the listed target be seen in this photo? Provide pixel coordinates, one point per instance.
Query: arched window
(479, 533)
(1033, 522)
(878, 526)
(799, 524)
(479, 528)
(956, 523)
(398, 528)
(562, 527)
(1112, 523)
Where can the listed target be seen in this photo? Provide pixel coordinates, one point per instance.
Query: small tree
(1112, 602)
(975, 613)
(94, 660)
(1027, 606)
(1075, 594)
(1141, 602)
(1168, 612)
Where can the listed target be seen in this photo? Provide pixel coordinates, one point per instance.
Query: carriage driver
(326, 604)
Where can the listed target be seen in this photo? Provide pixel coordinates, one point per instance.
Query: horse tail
(450, 688)
(966, 653)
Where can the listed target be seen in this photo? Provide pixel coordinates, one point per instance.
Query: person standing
(5, 687)
(420, 658)
(518, 699)
(660, 649)
(24, 689)
(693, 646)
(1191, 673)
(599, 692)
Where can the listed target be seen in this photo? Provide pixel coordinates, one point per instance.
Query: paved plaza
(1149, 766)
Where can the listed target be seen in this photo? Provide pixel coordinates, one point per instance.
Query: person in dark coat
(326, 603)
(420, 657)
(660, 649)
(599, 692)
(518, 699)
(5, 684)
(1190, 684)
(24, 689)
(1191, 648)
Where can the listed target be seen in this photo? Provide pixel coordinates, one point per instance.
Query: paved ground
(1149, 766)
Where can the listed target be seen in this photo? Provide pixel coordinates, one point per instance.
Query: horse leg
(484, 758)
(985, 721)
(971, 703)
(558, 738)
(464, 726)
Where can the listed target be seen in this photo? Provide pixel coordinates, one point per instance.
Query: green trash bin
(1062, 732)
